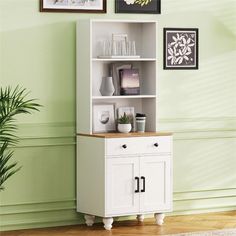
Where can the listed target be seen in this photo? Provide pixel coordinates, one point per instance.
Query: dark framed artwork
(81, 6)
(138, 6)
(180, 48)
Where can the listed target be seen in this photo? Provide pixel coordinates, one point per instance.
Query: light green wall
(38, 52)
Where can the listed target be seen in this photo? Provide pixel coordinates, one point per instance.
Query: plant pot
(124, 128)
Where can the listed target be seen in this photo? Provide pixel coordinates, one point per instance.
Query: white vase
(107, 87)
(124, 128)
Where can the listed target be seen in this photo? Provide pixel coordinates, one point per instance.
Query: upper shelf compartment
(122, 59)
(142, 33)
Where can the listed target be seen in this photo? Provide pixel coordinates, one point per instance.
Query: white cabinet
(116, 179)
(155, 174)
(140, 145)
(138, 184)
(120, 174)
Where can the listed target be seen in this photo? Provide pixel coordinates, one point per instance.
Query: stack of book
(125, 79)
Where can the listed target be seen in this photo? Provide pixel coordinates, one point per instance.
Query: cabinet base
(140, 218)
(89, 220)
(107, 221)
(159, 218)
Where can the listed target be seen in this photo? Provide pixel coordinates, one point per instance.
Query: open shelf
(141, 104)
(92, 68)
(147, 75)
(142, 32)
(124, 97)
(123, 59)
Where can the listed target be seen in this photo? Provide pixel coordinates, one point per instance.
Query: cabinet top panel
(124, 135)
(123, 20)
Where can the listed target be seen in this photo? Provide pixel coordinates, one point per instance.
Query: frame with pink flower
(180, 48)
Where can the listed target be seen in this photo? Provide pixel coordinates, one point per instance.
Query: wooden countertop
(129, 135)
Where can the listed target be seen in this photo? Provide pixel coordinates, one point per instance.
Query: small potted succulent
(124, 124)
(140, 122)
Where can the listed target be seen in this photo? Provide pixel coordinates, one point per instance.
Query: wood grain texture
(172, 225)
(129, 135)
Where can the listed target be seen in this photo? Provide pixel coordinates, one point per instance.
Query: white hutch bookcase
(120, 174)
(91, 69)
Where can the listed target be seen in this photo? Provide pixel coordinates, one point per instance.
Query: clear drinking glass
(106, 48)
(118, 48)
(114, 48)
(133, 48)
(128, 48)
(123, 48)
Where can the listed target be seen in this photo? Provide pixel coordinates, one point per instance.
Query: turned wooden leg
(159, 218)
(89, 220)
(108, 223)
(140, 218)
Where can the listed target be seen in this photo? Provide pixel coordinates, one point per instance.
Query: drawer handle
(143, 190)
(124, 146)
(137, 189)
(156, 144)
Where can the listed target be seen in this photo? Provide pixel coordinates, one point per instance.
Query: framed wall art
(138, 6)
(180, 48)
(82, 6)
(103, 118)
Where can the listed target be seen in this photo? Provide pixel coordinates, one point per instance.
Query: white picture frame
(129, 112)
(104, 118)
(95, 6)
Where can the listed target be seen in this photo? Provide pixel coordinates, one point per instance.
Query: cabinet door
(155, 184)
(121, 184)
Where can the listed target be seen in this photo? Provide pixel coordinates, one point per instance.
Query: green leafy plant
(124, 119)
(12, 102)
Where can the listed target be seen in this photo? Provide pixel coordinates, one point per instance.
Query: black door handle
(137, 189)
(143, 190)
(156, 144)
(124, 146)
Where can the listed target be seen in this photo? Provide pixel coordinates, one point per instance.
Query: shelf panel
(128, 135)
(122, 21)
(124, 96)
(123, 59)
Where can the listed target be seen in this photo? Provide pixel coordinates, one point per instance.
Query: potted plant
(124, 124)
(12, 103)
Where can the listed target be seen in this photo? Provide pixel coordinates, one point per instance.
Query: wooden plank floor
(173, 224)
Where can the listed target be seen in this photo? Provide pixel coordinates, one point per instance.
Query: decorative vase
(124, 128)
(107, 87)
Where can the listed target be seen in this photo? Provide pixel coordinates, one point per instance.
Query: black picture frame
(153, 7)
(180, 48)
(43, 8)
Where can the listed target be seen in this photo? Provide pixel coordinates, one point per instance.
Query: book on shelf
(129, 82)
(115, 74)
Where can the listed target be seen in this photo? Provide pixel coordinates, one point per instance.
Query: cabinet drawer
(138, 145)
